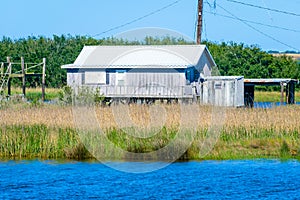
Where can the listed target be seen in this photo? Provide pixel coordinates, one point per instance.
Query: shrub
(65, 95)
(284, 150)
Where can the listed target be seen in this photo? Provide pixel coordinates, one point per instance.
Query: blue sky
(20, 18)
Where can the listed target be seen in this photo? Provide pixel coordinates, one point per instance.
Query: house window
(192, 74)
(107, 78)
(95, 77)
(120, 77)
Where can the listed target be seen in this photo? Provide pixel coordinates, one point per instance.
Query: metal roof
(272, 81)
(170, 56)
(224, 78)
(154, 66)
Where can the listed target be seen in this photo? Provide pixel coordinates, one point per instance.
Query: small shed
(223, 91)
(157, 72)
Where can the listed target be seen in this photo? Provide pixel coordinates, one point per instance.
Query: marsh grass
(35, 141)
(49, 132)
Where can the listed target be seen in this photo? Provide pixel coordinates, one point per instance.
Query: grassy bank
(48, 132)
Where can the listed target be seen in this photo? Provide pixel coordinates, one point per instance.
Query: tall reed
(50, 132)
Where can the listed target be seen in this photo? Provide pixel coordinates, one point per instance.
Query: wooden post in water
(9, 76)
(43, 79)
(287, 93)
(23, 77)
(282, 93)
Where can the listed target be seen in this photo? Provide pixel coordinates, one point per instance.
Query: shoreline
(69, 146)
(95, 161)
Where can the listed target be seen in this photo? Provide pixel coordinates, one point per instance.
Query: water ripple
(260, 179)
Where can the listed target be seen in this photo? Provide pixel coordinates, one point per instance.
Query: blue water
(269, 104)
(262, 179)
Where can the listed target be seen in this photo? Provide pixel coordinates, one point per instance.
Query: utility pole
(199, 25)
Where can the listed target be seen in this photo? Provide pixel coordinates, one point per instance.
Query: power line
(139, 18)
(265, 8)
(196, 23)
(254, 22)
(214, 6)
(259, 31)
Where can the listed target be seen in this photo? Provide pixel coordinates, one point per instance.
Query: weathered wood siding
(74, 78)
(223, 91)
(157, 83)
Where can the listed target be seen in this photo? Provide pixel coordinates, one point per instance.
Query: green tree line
(252, 62)
(231, 58)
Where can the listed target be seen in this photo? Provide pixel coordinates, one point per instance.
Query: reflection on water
(270, 179)
(270, 104)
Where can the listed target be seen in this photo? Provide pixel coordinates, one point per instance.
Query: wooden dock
(287, 85)
(22, 70)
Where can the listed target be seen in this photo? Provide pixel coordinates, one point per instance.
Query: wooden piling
(23, 77)
(282, 93)
(9, 78)
(43, 79)
(291, 93)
